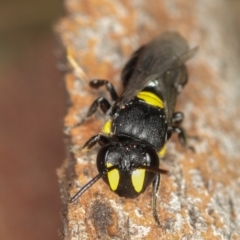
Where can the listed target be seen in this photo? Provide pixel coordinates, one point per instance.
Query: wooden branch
(200, 198)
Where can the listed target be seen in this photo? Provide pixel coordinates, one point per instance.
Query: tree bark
(200, 197)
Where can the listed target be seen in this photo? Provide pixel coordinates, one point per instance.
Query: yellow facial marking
(107, 127)
(138, 177)
(151, 99)
(162, 152)
(113, 177)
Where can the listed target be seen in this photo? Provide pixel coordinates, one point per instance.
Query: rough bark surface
(200, 197)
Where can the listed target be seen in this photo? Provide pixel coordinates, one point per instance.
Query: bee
(141, 120)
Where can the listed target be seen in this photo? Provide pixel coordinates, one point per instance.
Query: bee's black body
(141, 120)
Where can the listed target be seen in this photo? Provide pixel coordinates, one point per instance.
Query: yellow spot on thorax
(113, 177)
(138, 177)
(107, 127)
(162, 152)
(150, 98)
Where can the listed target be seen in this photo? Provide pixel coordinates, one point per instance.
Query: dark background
(32, 107)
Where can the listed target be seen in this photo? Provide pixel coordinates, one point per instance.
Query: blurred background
(32, 107)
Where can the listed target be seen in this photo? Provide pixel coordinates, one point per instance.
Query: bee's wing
(151, 61)
(172, 82)
(130, 66)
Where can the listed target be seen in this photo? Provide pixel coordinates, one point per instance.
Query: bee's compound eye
(152, 157)
(101, 159)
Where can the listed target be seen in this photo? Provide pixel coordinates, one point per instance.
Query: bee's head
(130, 167)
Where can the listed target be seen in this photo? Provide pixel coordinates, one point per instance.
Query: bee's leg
(97, 83)
(155, 189)
(168, 134)
(100, 139)
(181, 135)
(177, 118)
(99, 102)
(182, 138)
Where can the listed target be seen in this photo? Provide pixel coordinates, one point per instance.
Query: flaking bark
(200, 198)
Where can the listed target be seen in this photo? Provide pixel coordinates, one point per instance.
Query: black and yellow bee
(141, 121)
